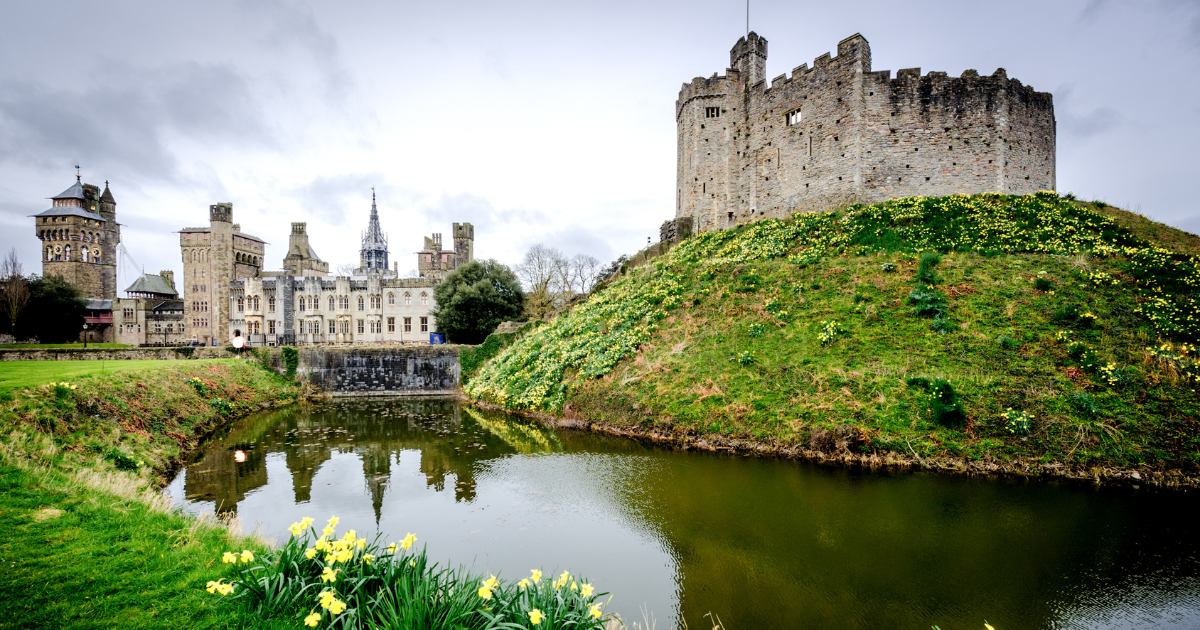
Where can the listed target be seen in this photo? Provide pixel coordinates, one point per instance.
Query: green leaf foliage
(475, 298)
(54, 313)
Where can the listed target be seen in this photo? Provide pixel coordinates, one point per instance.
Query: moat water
(760, 543)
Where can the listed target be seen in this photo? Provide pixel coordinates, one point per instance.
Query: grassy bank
(1013, 333)
(68, 346)
(86, 540)
(27, 374)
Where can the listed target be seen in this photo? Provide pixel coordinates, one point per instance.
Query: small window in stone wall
(271, 327)
(332, 327)
(360, 326)
(391, 324)
(424, 324)
(271, 306)
(407, 324)
(712, 112)
(793, 117)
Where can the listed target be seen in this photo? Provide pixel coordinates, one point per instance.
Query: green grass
(805, 334)
(77, 556)
(20, 374)
(73, 346)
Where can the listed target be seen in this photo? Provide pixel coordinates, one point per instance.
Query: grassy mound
(986, 327)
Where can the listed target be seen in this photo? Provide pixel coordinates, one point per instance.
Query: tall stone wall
(380, 371)
(839, 133)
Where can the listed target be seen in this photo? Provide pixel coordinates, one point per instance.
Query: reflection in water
(760, 542)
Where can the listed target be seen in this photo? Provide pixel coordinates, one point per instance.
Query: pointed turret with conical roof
(373, 257)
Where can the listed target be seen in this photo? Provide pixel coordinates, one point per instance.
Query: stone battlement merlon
(838, 133)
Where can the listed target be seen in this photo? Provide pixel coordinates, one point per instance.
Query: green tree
(54, 313)
(475, 298)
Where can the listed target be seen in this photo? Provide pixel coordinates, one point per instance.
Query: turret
(464, 243)
(749, 56)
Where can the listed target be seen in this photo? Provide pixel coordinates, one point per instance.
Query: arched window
(271, 304)
(331, 302)
(49, 253)
(407, 298)
(391, 299)
(303, 302)
(256, 303)
(424, 298)
(240, 304)
(83, 254)
(360, 303)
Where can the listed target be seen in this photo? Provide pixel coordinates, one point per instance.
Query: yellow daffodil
(246, 556)
(408, 541)
(212, 586)
(988, 626)
(491, 582)
(350, 535)
(536, 576)
(594, 611)
(322, 544)
(327, 532)
(524, 584)
(329, 575)
(485, 592)
(312, 620)
(229, 557)
(412, 563)
(587, 590)
(391, 548)
(310, 554)
(362, 542)
(296, 529)
(337, 606)
(333, 521)
(536, 616)
(367, 558)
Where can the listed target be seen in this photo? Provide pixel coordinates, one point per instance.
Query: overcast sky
(546, 122)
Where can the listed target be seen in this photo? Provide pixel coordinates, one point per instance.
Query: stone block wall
(839, 133)
(379, 371)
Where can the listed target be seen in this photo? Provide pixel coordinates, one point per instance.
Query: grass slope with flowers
(988, 332)
(87, 541)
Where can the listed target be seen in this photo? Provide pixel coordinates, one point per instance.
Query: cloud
(125, 119)
(329, 197)
(289, 25)
(1083, 124)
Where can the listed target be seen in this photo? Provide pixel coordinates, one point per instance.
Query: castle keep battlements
(839, 133)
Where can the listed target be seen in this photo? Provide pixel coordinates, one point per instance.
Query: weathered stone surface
(860, 136)
(380, 371)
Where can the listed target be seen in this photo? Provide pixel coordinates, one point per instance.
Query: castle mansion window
(407, 324)
(361, 304)
(332, 323)
(331, 305)
(391, 320)
(360, 322)
(271, 325)
(407, 298)
(271, 307)
(391, 299)
(424, 324)
(793, 117)
(424, 299)
(712, 112)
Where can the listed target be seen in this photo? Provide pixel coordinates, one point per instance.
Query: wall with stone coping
(415, 370)
(108, 354)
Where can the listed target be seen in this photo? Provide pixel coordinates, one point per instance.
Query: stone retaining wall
(109, 354)
(419, 370)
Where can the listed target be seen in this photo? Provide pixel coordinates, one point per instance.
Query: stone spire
(373, 257)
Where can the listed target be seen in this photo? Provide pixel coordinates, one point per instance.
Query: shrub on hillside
(944, 405)
(476, 298)
(927, 302)
(925, 271)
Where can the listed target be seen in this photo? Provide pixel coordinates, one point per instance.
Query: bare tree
(14, 294)
(585, 270)
(345, 270)
(545, 274)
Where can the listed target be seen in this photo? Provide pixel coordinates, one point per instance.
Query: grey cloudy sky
(537, 121)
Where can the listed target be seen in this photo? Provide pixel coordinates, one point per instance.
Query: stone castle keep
(840, 133)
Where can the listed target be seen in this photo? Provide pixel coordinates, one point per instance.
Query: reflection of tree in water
(376, 431)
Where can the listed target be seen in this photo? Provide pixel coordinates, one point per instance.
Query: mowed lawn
(18, 374)
(73, 346)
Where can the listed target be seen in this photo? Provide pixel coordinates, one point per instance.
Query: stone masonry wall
(861, 136)
(380, 371)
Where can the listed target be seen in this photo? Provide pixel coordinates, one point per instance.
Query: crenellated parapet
(838, 132)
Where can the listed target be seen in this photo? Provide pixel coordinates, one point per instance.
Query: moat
(761, 543)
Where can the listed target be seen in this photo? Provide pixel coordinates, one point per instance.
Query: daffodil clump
(348, 581)
(828, 332)
(540, 369)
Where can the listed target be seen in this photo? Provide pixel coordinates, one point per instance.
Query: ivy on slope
(538, 371)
